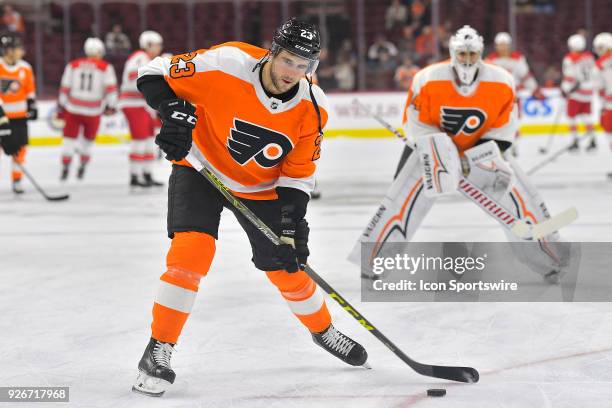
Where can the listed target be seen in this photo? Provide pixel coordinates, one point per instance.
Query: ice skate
(341, 346)
(155, 374)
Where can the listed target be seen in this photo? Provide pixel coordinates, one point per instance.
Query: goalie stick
(516, 225)
(453, 373)
(60, 197)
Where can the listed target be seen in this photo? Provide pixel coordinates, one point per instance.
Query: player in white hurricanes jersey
(88, 89)
(577, 87)
(515, 63)
(602, 45)
(462, 116)
(142, 120)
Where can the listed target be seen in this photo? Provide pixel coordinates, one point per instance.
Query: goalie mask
(299, 38)
(466, 48)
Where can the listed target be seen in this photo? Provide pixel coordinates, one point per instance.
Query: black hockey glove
(178, 120)
(293, 253)
(32, 110)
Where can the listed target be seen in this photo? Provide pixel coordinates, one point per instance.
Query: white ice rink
(78, 280)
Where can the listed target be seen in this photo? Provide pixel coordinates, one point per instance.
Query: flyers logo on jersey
(249, 141)
(9, 85)
(458, 120)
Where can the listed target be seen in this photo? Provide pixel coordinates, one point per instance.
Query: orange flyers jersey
(485, 109)
(17, 86)
(252, 142)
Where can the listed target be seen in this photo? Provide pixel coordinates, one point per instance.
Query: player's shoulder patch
(516, 55)
(492, 56)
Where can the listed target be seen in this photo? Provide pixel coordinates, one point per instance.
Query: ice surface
(78, 279)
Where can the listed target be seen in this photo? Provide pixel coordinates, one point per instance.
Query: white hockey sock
(68, 149)
(137, 148)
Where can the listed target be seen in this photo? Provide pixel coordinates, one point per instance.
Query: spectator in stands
(405, 43)
(444, 34)
(344, 70)
(425, 44)
(381, 73)
(12, 20)
(552, 77)
(380, 46)
(117, 42)
(397, 15)
(420, 10)
(404, 74)
(325, 71)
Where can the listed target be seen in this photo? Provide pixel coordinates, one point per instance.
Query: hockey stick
(39, 188)
(551, 135)
(516, 225)
(549, 159)
(461, 374)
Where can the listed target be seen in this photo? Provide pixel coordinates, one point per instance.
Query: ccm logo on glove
(184, 117)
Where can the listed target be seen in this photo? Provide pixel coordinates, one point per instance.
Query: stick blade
(537, 231)
(58, 197)
(459, 374)
(555, 223)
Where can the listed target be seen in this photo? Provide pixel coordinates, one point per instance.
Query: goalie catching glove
(178, 121)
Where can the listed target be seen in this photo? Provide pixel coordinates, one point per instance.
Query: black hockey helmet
(300, 38)
(10, 41)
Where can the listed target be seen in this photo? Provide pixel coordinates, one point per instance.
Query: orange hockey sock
(303, 297)
(188, 261)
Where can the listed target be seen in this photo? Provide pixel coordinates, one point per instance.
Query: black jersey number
(86, 81)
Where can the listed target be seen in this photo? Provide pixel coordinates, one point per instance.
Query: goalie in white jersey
(462, 115)
(141, 119)
(88, 89)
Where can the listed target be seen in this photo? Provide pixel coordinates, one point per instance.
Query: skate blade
(151, 386)
(366, 366)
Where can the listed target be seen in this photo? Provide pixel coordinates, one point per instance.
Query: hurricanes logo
(466, 120)
(249, 141)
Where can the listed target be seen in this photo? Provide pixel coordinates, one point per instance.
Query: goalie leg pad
(398, 216)
(547, 254)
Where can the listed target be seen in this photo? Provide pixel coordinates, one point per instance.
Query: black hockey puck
(436, 392)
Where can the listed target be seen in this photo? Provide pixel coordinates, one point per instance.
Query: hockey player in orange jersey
(18, 93)
(462, 113)
(254, 118)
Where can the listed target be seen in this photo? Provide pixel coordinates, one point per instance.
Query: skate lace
(162, 352)
(337, 341)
